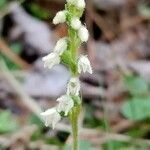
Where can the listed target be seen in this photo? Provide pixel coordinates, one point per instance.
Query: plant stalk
(74, 124)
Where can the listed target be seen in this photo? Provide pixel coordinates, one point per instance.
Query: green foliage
(3, 3)
(139, 131)
(33, 119)
(16, 47)
(118, 145)
(136, 109)
(53, 141)
(38, 11)
(135, 148)
(135, 85)
(83, 145)
(7, 123)
(90, 121)
(114, 145)
(144, 10)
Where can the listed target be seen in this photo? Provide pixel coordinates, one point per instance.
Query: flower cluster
(65, 52)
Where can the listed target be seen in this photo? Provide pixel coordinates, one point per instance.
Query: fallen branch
(12, 56)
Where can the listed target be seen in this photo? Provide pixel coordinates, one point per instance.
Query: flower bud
(83, 34)
(80, 4)
(73, 86)
(65, 104)
(61, 46)
(51, 60)
(75, 23)
(60, 17)
(51, 117)
(84, 65)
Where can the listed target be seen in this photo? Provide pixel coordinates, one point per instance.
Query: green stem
(74, 123)
(75, 134)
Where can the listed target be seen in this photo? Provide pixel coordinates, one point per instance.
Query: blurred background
(116, 98)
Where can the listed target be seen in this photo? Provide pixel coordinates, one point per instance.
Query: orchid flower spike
(60, 17)
(51, 117)
(83, 34)
(73, 86)
(61, 46)
(51, 60)
(66, 103)
(84, 65)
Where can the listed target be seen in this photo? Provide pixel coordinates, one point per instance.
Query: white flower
(80, 4)
(84, 65)
(75, 23)
(61, 46)
(83, 34)
(73, 86)
(51, 117)
(65, 104)
(51, 60)
(60, 17)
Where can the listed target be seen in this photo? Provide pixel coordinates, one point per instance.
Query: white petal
(83, 34)
(73, 87)
(75, 23)
(65, 104)
(48, 112)
(84, 65)
(60, 17)
(51, 60)
(51, 117)
(56, 119)
(61, 46)
(80, 4)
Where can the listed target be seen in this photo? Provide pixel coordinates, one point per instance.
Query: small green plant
(65, 51)
(7, 123)
(137, 108)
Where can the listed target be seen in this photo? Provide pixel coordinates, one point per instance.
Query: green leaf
(137, 109)
(144, 10)
(113, 145)
(136, 85)
(128, 148)
(16, 47)
(3, 3)
(38, 11)
(83, 145)
(33, 119)
(90, 121)
(7, 123)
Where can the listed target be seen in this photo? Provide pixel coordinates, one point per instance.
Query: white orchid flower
(60, 17)
(51, 117)
(84, 65)
(66, 103)
(61, 46)
(51, 60)
(83, 34)
(73, 86)
(75, 23)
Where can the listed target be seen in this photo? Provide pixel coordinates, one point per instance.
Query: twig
(11, 55)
